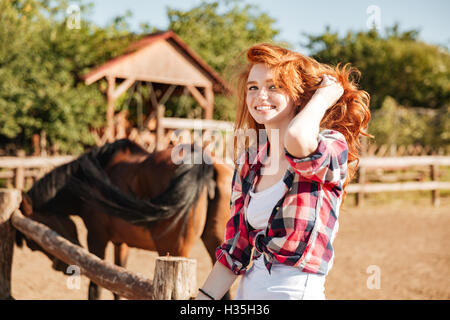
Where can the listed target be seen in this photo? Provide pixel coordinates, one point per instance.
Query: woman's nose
(262, 93)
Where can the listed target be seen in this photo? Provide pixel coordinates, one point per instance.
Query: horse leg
(120, 258)
(97, 245)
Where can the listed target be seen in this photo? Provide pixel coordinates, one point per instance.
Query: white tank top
(285, 282)
(261, 204)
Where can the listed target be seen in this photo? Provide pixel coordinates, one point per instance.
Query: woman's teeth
(265, 108)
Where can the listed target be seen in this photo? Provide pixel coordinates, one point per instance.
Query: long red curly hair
(300, 77)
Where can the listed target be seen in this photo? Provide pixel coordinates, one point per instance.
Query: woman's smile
(265, 108)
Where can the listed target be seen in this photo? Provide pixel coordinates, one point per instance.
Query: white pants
(284, 283)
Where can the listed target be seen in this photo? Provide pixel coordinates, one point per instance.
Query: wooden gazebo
(167, 64)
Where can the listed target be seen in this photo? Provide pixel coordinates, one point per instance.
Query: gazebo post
(109, 132)
(160, 110)
(207, 102)
(112, 94)
(209, 95)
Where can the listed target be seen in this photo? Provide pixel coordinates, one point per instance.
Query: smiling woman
(285, 221)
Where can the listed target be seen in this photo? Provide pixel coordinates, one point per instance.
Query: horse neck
(146, 176)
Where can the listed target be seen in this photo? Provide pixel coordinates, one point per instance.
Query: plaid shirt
(303, 224)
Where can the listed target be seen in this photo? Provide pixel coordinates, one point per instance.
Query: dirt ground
(404, 246)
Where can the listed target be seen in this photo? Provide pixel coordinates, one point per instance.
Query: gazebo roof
(161, 57)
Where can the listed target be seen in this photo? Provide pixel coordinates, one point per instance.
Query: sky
(295, 17)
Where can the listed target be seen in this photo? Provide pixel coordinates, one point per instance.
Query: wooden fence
(374, 174)
(174, 277)
(21, 172)
(419, 166)
(385, 150)
(374, 166)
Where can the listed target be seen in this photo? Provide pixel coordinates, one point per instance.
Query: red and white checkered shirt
(303, 224)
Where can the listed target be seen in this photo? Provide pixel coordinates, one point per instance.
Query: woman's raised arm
(300, 139)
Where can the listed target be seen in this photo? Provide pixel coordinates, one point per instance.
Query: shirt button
(277, 208)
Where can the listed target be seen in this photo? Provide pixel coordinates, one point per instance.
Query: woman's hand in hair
(300, 138)
(329, 92)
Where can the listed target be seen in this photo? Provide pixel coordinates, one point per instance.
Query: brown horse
(133, 199)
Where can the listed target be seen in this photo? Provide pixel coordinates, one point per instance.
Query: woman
(288, 185)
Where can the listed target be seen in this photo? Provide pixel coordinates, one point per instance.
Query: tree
(41, 60)
(393, 124)
(412, 72)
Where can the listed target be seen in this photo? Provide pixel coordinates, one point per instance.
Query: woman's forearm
(218, 283)
(300, 138)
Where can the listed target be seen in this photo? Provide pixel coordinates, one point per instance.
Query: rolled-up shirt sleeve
(328, 163)
(235, 251)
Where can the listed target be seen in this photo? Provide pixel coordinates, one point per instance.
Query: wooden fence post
(174, 278)
(19, 179)
(9, 201)
(435, 177)
(159, 127)
(361, 181)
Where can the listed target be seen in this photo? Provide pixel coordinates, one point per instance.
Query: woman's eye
(253, 88)
(273, 87)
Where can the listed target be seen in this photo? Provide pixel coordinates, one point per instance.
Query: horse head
(63, 225)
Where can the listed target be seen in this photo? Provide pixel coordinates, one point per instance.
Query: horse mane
(85, 180)
(47, 187)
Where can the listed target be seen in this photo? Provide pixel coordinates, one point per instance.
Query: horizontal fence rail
(105, 274)
(33, 162)
(401, 162)
(180, 123)
(415, 163)
(406, 186)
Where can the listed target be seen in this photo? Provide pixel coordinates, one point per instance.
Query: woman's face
(267, 104)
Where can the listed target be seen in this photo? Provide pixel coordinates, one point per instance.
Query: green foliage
(398, 65)
(403, 76)
(219, 32)
(393, 124)
(443, 126)
(41, 60)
